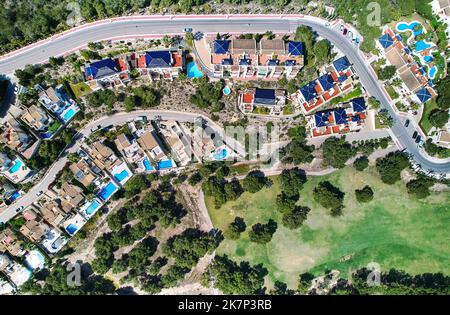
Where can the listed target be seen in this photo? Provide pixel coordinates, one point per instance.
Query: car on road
(341, 28)
(40, 192)
(187, 30)
(16, 90)
(344, 32)
(418, 139)
(415, 134)
(407, 123)
(19, 209)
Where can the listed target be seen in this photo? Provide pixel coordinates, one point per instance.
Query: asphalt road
(116, 119)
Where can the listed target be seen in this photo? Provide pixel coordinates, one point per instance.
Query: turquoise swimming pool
(220, 154)
(164, 164)
(147, 165)
(422, 45)
(403, 27)
(121, 176)
(193, 71)
(71, 229)
(432, 72)
(69, 115)
(107, 191)
(16, 195)
(92, 207)
(17, 165)
(226, 90)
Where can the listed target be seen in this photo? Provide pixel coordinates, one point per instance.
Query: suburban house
(36, 118)
(13, 169)
(415, 81)
(107, 73)
(160, 64)
(249, 59)
(84, 173)
(9, 242)
(70, 196)
(270, 99)
(57, 101)
(34, 230)
(132, 152)
(6, 288)
(51, 211)
(336, 81)
(14, 137)
(338, 120)
(149, 143)
(174, 138)
(15, 272)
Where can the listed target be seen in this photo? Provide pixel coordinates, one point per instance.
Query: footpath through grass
(394, 230)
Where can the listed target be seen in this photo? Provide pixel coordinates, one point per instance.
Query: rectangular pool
(69, 115)
(107, 191)
(164, 164)
(71, 229)
(95, 204)
(121, 176)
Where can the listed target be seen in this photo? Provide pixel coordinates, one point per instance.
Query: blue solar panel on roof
(296, 48)
(341, 64)
(158, 59)
(308, 91)
(385, 41)
(221, 46)
(359, 104)
(423, 95)
(340, 116)
(326, 81)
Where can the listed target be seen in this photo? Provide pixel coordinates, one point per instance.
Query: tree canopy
(390, 166)
(337, 151)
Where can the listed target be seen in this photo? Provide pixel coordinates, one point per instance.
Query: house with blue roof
(423, 95)
(266, 59)
(161, 64)
(272, 100)
(341, 64)
(386, 41)
(106, 73)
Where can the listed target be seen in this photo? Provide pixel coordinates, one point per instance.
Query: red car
(345, 32)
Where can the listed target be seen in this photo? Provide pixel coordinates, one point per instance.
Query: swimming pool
(107, 191)
(164, 164)
(422, 45)
(427, 58)
(147, 165)
(403, 27)
(220, 154)
(432, 72)
(121, 176)
(16, 195)
(69, 114)
(35, 260)
(92, 207)
(71, 229)
(16, 166)
(226, 90)
(193, 71)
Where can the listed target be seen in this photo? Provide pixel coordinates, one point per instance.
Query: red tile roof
(248, 98)
(177, 60)
(141, 62)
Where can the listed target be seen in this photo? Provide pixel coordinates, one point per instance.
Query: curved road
(117, 119)
(148, 26)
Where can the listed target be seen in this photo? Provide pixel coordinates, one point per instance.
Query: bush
(364, 195)
(361, 163)
(235, 228)
(328, 196)
(262, 233)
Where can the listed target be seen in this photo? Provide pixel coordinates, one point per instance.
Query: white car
(16, 89)
(40, 192)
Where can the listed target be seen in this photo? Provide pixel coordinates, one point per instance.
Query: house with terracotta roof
(149, 143)
(339, 120)
(249, 59)
(11, 243)
(70, 196)
(85, 172)
(14, 137)
(272, 99)
(132, 152)
(160, 64)
(107, 73)
(174, 138)
(337, 81)
(36, 118)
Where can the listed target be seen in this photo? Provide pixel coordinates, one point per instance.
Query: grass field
(393, 230)
(80, 89)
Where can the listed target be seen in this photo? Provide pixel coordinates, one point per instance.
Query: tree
(328, 196)
(254, 181)
(191, 245)
(232, 278)
(420, 187)
(135, 185)
(305, 282)
(299, 152)
(438, 118)
(322, 51)
(443, 90)
(361, 163)
(262, 233)
(294, 219)
(336, 152)
(280, 288)
(284, 203)
(235, 228)
(292, 181)
(391, 165)
(386, 73)
(364, 195)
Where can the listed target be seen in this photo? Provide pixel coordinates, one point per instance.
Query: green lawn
(424, 122)
(393, 230)
(80, 89)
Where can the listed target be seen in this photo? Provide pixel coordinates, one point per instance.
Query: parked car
(345, 32)
(418, 139)
(341, 27)
(414, 134)
(407, 123)
(40, 192)
(16, 90)
(187, 29)
(19, 209)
